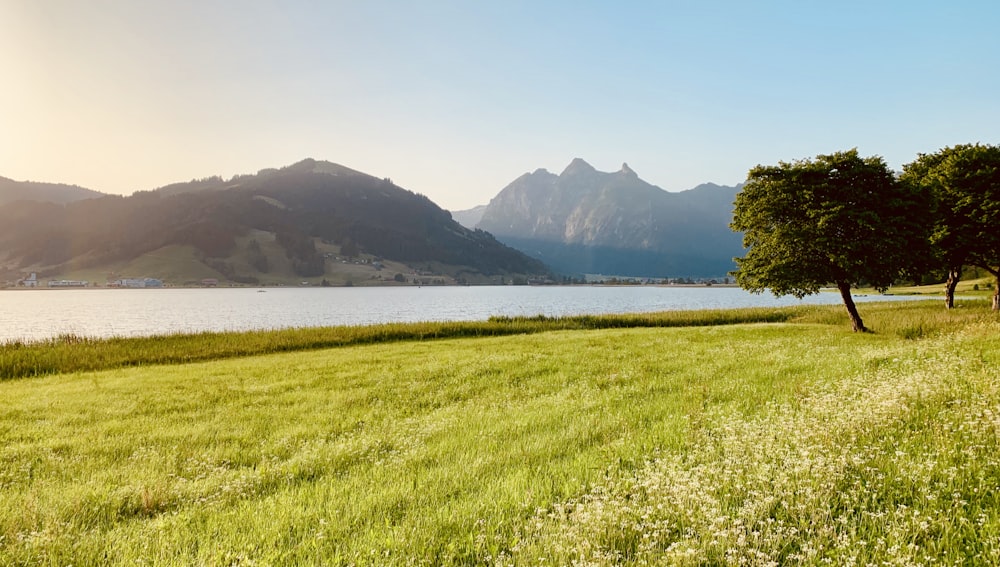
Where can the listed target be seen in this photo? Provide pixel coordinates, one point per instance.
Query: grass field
(976, 287)
(687, 439)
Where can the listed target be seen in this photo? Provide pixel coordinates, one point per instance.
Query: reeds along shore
(73, 353)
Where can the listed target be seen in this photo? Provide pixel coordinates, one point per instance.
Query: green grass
(71, 353)
(971, 288)
(175, 264)
(604, 442)
(182, 265)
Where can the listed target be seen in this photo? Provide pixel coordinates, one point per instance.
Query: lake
(41, 314)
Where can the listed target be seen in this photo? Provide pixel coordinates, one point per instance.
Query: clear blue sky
(455, 99)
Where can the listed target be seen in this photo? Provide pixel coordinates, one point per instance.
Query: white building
(68, 283)
(137, 283)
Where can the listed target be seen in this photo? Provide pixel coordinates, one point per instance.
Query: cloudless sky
(456, 98)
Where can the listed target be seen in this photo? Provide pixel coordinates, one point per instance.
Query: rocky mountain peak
(590, 221)
(577, 167)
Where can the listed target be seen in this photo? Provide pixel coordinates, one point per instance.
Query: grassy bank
(73, 353)
(70, 353)
(599, 443)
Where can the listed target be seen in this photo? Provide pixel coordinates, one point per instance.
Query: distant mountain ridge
(587, 221)
(304, 211)
(469, 217)
(11, 191)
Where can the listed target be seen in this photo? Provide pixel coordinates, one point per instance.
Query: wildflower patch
(899, 465)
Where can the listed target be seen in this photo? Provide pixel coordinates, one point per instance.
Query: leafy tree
(965, 183)
(838, 218)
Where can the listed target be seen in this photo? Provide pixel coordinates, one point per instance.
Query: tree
(838, 218)
(965, 183)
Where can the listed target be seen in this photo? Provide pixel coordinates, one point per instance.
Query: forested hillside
(301, 205)
(11, 191)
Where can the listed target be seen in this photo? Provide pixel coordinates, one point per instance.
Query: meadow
(750, 437)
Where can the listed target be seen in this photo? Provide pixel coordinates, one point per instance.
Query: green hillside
(179, 265)
(303, 223)
(176, 264)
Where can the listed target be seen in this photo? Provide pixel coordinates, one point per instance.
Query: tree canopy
(964, 181)
(837, 218)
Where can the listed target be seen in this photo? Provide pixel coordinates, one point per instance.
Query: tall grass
(905, 319)
(897, 465)
(71, 353)
(429, 452)
(748, 444)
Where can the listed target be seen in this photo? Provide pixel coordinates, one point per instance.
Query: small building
(210, 282)
(68, 283)
(136, 283)
(129, 283)
(30, 281)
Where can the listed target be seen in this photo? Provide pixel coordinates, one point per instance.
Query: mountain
(11, 191)
(587, 221)
(469, 218)
(297, 219)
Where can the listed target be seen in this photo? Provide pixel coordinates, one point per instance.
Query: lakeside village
(31, 281)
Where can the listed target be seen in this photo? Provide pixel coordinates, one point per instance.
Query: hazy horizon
(455, 99)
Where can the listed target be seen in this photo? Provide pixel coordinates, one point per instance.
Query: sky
(455, 99)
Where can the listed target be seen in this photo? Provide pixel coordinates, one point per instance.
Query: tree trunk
(954, 274)
(996, 292)
(996, 286)
(852, 311)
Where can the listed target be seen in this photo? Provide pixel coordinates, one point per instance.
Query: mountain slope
(11, 191)
(469, 218)
(310, 209)
(588, 221)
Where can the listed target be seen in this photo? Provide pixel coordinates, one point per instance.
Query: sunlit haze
(455, 99)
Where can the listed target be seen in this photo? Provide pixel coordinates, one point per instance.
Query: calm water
(40, 314)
